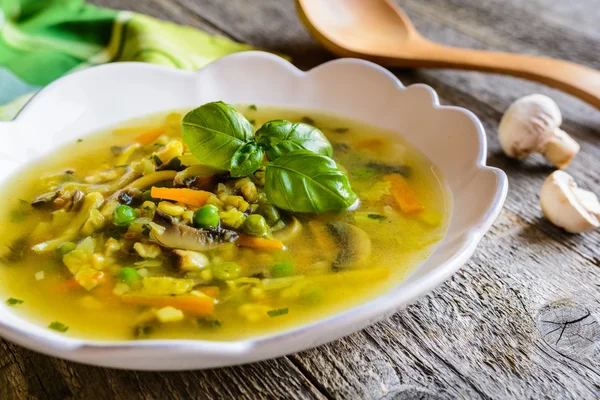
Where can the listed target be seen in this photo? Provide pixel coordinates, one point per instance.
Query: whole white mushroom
(567, 206)
(532, 125)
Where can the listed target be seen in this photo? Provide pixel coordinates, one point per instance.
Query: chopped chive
(377, 217)
(277, 312)
(157, 160)
(58, 326)
(252, 107)
(142, 330)
(209, 323)
(252, 122)
(341, 130)
(79, 140)
(13, 302)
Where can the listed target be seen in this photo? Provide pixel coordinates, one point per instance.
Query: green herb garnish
(13, 302)
(277, 312)
(214, 132)
(300, 176)
(280, 137)
(246, 160)
(302, 181)
(58, 326)
(307, 120)
(252, 107)
(377, 217)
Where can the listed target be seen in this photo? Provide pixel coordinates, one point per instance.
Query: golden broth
(399, 241)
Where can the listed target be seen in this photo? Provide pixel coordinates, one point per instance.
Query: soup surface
(96, 242)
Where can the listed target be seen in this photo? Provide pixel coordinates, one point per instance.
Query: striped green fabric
(42, 40)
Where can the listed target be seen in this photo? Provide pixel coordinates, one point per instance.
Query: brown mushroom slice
(179, 236)
(291, 231)
(354, 245)
(197, 176)
(44, 199)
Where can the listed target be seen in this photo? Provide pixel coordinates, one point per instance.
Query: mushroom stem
(560, 149)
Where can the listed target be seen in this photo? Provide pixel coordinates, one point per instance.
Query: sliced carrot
(259, 243)
(150, 135)
(405, 197)
(192, 197)
(212, 291)
(67, 286)
(370, 143)
(194, 305)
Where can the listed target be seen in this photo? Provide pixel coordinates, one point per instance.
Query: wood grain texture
(520, 320)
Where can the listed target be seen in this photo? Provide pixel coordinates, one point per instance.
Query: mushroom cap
(567, 206)
(528, 124)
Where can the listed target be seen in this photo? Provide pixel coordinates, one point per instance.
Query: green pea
(207, 217)
(129, 275)
(269, 212)
(226, 271)
(65, 248)
(123, 215)
(255, 225)
(282, 270)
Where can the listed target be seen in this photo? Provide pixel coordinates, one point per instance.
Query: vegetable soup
(219, 223)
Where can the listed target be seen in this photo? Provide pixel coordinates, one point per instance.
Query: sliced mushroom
(197, 176)
(188, 260)
(76, 200)
(44, 199)
(532, 125)
(179, 236)
(288, 233)
(354, 245)
(567, 206)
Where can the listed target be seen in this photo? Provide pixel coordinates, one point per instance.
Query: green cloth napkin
(42, 40)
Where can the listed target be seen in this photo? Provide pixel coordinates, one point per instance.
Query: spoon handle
(575, 79)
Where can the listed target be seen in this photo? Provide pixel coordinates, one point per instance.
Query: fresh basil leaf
(214, 132)
(302, 181)
(246, 160)
(280, 137)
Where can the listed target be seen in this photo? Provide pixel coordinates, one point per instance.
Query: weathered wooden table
(518, 321)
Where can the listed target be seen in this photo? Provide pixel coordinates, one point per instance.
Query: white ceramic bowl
(99, 97)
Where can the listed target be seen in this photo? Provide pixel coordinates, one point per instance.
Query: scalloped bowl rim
(136, 354)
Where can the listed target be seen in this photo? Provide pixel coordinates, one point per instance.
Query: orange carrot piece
(192, 197)
(403, 194)
(259, 243)
(212, 291)
(67, 286)
(195, 305)
(150, 135)
(370, 143)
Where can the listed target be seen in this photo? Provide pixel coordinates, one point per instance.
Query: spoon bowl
(379, 31)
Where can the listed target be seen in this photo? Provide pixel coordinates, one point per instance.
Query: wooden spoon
(378, 30)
